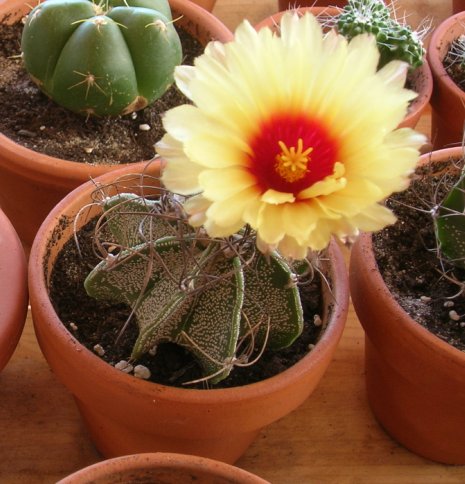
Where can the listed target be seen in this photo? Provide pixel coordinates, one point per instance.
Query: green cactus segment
(184, 291)
(213, 324)
(395, 40)
(161, 6)
(102, 63)
(450, 225)
(129, 220)
(272, 298)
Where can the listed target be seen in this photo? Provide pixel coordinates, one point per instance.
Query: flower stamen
(292, 163)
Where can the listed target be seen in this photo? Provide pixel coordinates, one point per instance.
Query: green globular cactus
(101, 59)
(395, 40)
(450, 224)
(207, 295)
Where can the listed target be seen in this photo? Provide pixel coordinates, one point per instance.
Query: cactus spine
(101, 59)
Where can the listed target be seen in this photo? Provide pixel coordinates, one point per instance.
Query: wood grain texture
(332, 438)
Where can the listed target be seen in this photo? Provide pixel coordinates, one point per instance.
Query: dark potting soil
(406, 253)
(98, 323)
(32, 120)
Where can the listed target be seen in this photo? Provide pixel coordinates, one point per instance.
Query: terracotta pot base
(112, 439)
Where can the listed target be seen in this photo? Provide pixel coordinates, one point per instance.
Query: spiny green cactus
(395, 40)
(101, 59)
(207, 295)
(450, 224)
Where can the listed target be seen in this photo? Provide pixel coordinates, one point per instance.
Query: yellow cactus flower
(294, 134)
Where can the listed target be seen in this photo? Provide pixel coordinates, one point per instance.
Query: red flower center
(291, 153)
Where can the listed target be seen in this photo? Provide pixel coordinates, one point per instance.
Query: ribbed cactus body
(450, 225)
(101, 59)
(395, 40)
(204, 298)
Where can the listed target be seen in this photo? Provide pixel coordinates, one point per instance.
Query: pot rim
(435, 60)
(161, 460)
(16, 158)
(421, 334)
(40, 300)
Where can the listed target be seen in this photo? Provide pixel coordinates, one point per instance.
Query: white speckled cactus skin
(102, 59)
(195, 291)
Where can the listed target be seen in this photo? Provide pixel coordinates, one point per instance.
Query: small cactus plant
(102, 59)
(450, 224)
(212, 296)
(396, 40)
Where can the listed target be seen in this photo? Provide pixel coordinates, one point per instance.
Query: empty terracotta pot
(162, 468)
(13, 290)
(32, 183)
(415, 381)
(126, 415)
(447, 100)
(420, 80)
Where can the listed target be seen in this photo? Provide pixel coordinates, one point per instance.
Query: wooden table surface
(332, 438)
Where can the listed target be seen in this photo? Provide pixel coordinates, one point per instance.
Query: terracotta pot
(162, 468)
(13, 290)
(126, 415)
(415, 381)
(447, 100)
(458, 6)
(421, 79)
(32, 183)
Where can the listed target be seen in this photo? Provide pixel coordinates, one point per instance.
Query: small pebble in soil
(99, 349)
(124, 366)
(26, 133)
(317, 320)
(144, 127)
(453, 315)
(425, 298)
(73, 326)
(141, 371)
(449, 304)
(311, 346)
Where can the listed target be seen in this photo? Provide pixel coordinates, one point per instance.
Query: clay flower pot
(447, 100)
(415, 381)
(32, 183)
(163, 468)
(126, 415)
(421, 79)
(13, 290)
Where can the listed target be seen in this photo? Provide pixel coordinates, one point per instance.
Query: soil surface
(98, 323)
(31, 119)
(407, 256)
